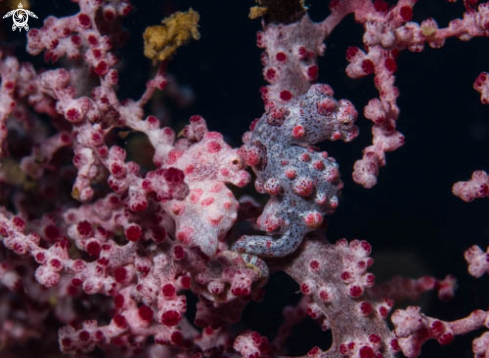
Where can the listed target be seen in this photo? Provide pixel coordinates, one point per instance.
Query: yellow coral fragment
(275, 7)
(161, 41)
(257, 11)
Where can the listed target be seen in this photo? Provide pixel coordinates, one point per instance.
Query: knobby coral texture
(127, 231)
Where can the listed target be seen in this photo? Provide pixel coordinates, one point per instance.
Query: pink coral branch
(413, 329)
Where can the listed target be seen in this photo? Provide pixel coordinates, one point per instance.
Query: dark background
(414, 223)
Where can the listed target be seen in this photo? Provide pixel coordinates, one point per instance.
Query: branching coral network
(109, 250)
